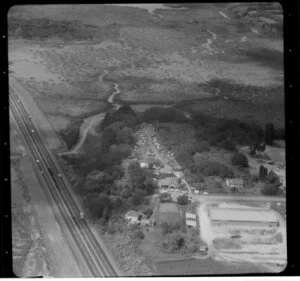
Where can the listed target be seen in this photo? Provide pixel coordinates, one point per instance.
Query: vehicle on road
(203, 249)
(205, 193)
(32, 131)
(37, 161)
(59, 175)
(82, 216)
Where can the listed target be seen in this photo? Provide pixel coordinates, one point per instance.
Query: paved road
(78, 232)
(212, 197)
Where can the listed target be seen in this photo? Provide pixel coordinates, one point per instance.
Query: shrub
(202, 146)
(183, 199)
(270, 189)
(273, 178)
(165, 197)
(239, 159)
(228, 145)
(218, 185)
(138, 234)
(148, 213)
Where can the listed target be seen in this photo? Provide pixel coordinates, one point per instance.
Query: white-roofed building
(190, 219)
(243, 216)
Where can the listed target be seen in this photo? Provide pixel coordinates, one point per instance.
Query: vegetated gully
(94, 120)
(96, 261)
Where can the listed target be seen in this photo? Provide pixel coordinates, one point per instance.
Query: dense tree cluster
(183, 199)
(216, 131)
(171, 115)
(240, 159)
(212, 168)
(101, 170)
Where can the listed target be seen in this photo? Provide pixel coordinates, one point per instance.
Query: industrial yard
(239, 232)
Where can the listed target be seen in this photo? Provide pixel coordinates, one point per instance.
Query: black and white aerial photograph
(147, 139)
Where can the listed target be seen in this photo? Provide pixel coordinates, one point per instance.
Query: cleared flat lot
(245, 241)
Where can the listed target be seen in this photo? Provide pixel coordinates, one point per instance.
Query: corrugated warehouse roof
(252, 215)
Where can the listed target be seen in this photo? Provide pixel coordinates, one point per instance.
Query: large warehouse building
(243, 216)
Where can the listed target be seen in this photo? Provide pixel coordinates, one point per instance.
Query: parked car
(203, 249)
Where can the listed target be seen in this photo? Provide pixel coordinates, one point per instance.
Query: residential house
(169, 182)
(133, 217)
(235, 183)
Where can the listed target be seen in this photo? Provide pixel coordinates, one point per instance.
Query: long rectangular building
(242, 216)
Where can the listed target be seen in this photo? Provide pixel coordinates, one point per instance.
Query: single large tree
(183, 199)
(263, 172)
(269, 133)
(239, 159)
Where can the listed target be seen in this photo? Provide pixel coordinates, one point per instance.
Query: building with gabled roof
(243, 216)
(169, 182)
(237, 183)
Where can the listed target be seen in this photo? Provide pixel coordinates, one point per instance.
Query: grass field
(60, 53)
(205, 267)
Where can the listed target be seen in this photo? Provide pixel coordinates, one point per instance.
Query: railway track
(97, 262)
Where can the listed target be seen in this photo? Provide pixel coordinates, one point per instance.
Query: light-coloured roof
(190, 215)
(191, 223)
(168, 181)
(235, 181)
(133, 214)
(226, 214)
